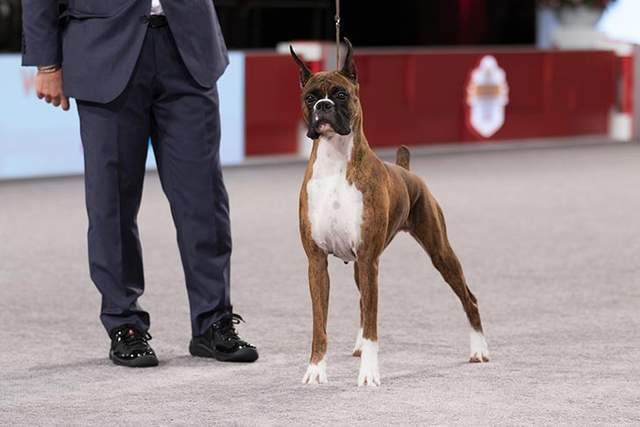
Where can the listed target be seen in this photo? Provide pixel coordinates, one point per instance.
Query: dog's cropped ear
(305, 72)
(349, 65)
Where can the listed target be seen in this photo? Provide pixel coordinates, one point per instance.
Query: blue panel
(39, 140)
(35, 138)
(231, 91)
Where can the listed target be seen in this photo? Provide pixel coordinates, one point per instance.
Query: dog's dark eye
(342, 95)
(310, 99)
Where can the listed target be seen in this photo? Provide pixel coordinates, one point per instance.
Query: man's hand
(49, 87)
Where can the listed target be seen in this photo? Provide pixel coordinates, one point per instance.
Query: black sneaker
(221, 342)
(130, 347)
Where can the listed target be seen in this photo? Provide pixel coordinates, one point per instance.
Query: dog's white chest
(334, 205)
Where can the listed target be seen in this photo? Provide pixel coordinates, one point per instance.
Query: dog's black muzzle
(325, 112)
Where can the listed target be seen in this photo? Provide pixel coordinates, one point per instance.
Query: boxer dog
(352, 205)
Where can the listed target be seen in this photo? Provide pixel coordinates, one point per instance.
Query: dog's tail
(402, 157)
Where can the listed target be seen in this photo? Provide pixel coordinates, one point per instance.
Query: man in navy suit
(142, 69)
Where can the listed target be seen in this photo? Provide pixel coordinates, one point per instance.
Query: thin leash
(337, 19)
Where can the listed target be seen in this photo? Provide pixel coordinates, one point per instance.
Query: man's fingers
(56, 100)
(49, 87)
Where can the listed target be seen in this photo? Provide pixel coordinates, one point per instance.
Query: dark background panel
(249, 24)
(263, 23)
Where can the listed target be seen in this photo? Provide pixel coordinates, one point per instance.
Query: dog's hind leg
(357, 348)
(428, 227)
(319, 288)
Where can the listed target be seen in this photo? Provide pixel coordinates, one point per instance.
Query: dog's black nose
(324, 105)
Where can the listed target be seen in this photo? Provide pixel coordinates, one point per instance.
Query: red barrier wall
(418, 97)
(272, 104)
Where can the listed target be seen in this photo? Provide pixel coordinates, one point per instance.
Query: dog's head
(330, 102)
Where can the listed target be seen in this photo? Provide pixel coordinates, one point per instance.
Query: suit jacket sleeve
(41, 41)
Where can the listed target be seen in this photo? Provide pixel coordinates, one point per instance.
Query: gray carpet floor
(549, 239)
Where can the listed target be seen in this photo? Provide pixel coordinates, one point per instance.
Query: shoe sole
(246, 355)
(138, 362)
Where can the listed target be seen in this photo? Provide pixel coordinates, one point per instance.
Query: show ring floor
(549, 240)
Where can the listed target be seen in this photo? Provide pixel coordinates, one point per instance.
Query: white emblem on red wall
(487, 97)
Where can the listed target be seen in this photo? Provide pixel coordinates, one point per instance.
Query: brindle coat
(394, 199)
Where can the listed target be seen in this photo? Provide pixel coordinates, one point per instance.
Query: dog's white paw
(369, 372)
(316, 373)
(479, 348)
(357, 348)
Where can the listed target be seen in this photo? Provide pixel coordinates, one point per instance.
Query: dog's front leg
(368, 283)
(319, 288)
(357, 348)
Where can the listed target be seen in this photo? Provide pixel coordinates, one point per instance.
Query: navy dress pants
(162, 102)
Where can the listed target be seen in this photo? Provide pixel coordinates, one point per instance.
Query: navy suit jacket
(98, 41)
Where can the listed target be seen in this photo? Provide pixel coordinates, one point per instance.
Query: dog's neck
(342, 151)
(360, 143)
(333, 154)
